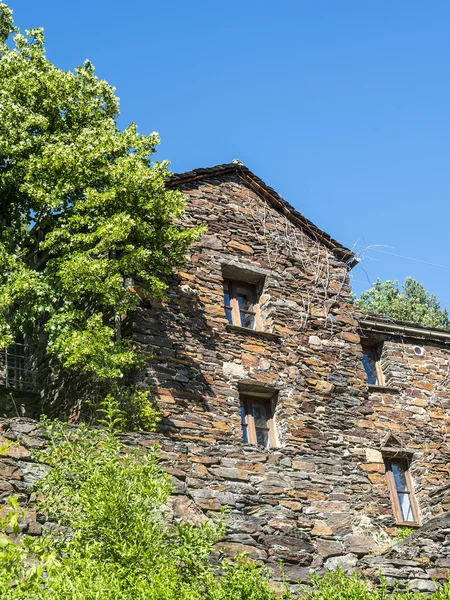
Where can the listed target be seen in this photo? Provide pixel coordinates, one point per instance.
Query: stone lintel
(393, 451)
(234, 269)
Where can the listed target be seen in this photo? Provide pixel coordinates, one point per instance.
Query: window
(406, 511)
(241, 306)
(257, 422)
(372, 365)
(16, 368)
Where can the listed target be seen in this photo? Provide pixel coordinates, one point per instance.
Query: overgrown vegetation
(337, 585)
(411, 302)
(83, 209)
(384, 541)
(111, 539)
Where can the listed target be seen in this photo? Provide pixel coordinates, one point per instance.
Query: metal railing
(16, 370)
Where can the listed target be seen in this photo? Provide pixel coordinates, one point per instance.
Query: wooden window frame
(374, 352)
(248, 421)
(234, 304)
(394, 492)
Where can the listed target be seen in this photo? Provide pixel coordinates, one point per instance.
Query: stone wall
(267, 514)
(15, 403)
(319, 499)
(414, 407)
(263, 493)
(325, 484)
(418, 562)
(308, 352)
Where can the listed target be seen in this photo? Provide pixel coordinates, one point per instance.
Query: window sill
(384, 389)
(276, 337)
(256, 448)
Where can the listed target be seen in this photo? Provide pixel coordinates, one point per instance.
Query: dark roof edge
(379, 324)
(341, 252)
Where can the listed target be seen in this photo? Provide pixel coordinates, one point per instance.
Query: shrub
(109, 537)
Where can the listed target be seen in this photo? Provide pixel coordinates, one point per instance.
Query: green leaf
(84, 209)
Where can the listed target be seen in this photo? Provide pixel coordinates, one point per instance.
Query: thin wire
(425, 262)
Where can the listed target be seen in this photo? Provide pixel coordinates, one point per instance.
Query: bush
(110, 538)
(336, 585)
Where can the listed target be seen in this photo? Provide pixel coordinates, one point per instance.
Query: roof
(380, 324)
(262, 189)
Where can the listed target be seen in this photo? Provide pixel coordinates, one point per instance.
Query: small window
(241, 305)
(372, 365)
(257, 422)
(405, 507)
(16, 368)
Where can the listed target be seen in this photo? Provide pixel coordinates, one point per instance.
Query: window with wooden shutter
(372, 365)
(406, 510)
(257, 422)
(241, 305)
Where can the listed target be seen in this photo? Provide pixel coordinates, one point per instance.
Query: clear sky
(342, 106)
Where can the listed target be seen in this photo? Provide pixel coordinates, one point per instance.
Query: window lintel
(248, 387)
(394, 452)
(241, 272)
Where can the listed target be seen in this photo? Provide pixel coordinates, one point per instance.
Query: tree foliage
(82, 210)
(410, 303)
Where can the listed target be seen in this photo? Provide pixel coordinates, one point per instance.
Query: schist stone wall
(268, 529)
(414, 407)
(418, 562)
(320, 498)
(307, 353)
(322, 492)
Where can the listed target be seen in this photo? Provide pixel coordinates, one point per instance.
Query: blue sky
(342, 106)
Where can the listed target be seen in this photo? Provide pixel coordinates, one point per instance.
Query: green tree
(410, 303)
(83, 212)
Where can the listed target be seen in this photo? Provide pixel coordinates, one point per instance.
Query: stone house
(319, 428)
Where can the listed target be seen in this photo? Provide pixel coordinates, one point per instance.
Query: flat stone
(229, 473)
(327, 548)
(233, 370)
(346, 562)
(210, 241)
(186, 510)
(359, 544)
(353, 338)
(231, 549)
(321, 528)
(16, 451)
(373, 456)
(422, 585)
(324, 386)
(314, 340)
(244, 248)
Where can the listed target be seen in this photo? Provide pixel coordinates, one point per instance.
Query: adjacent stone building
(321, 430)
